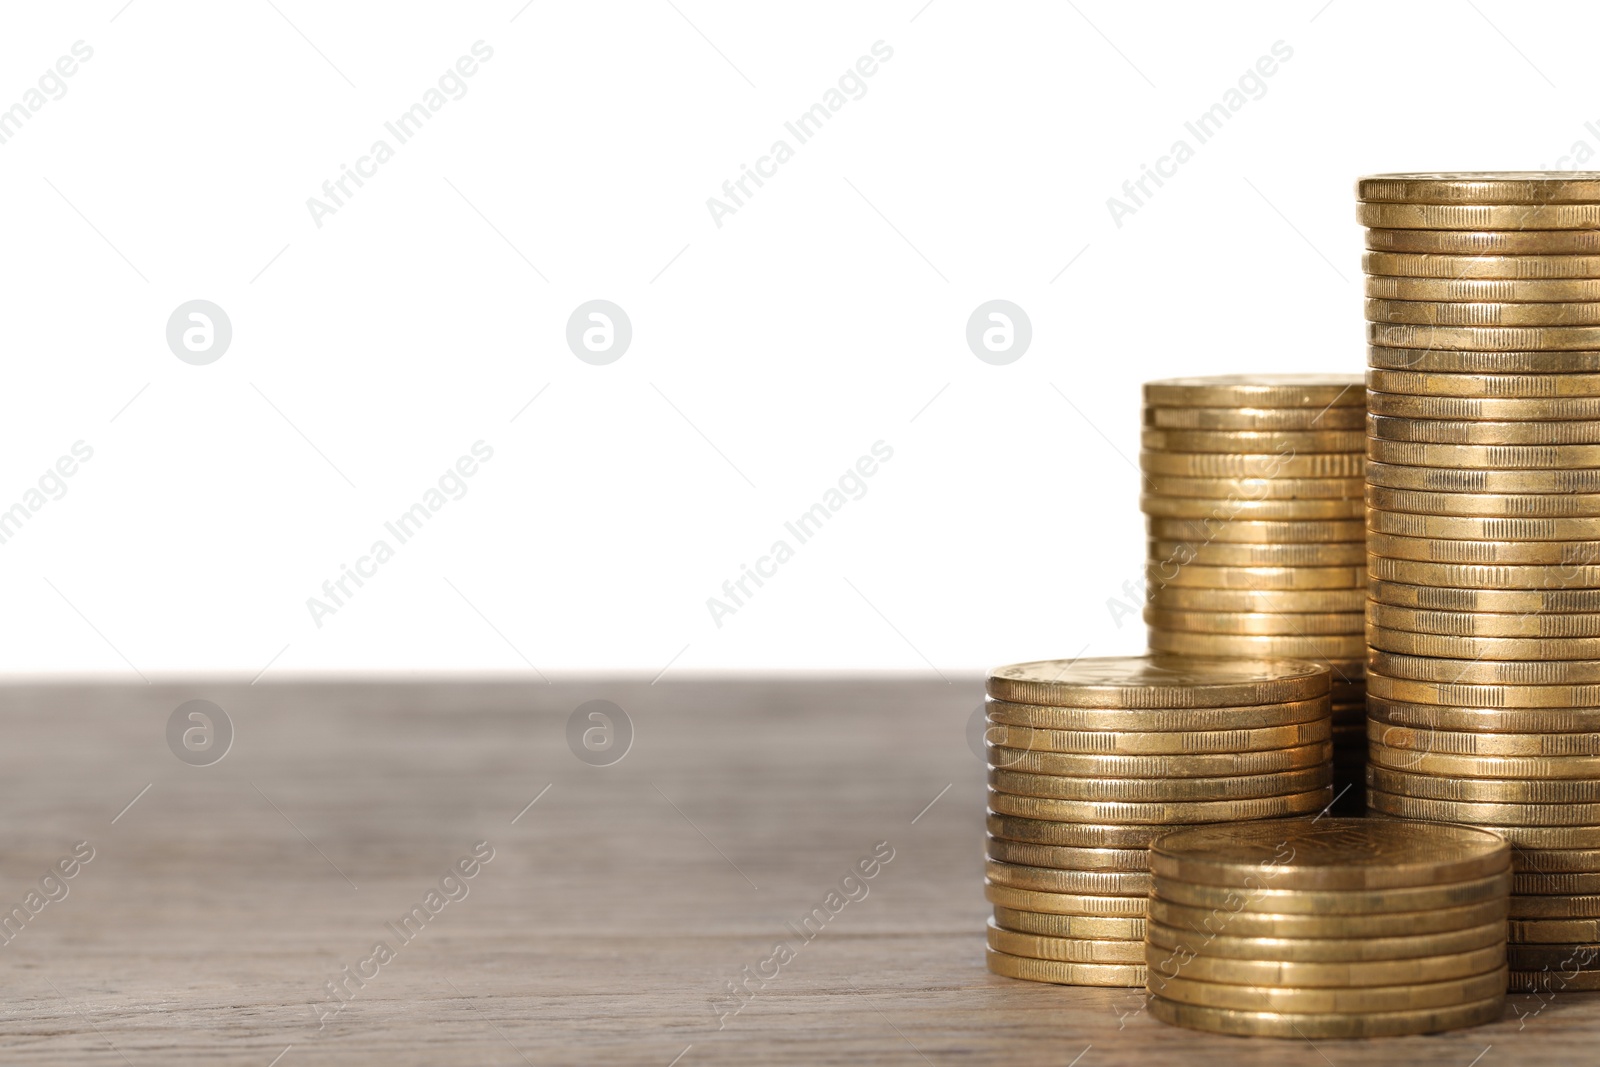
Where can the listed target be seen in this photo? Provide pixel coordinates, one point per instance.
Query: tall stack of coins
(1090, 759)
(1252, 489)
(1313, 928)
(1484, 532)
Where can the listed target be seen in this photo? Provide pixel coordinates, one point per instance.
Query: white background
(827, 314)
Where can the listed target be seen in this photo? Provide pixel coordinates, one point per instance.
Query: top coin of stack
(1090, 759)
(1484, 532)
(1328, 927)
(1252, 488)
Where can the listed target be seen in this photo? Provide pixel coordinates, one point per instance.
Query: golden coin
(1219, 554)
(1208, 765)
(1258, 488)
(1072, 835)
(1528, 767)
(1067, 859)
(1483, 432)
(1479, 313)
(1483, 672)
(1555, 907)
(1479, 216)
(1153, 743)
(1547, 983)
(1344, 975)
(1485, 290)
(1483, 624)
(1496, 457)
(1326, 854)
(1224, 465)
(1549, 408)
(1241, 531)
(1555, 576)
(1196, 576)
(1497, 505)
(1051, 880)
(1485, 242)
(1483, 338)
(1500, 364)
(1564, 883)
(1550, 931)
(1481, 527)
(1482, 187)
(1308, 1026)
(1558, 861)
(1269, 600)
(1127, 907)
(1464, 743)
(1497, 814)
(1255, 390)
(1500, 600)
(1407, 265)
(1541, 837)
(1058, 973)
(1088, 927)
(1466, 648)
(1441, 550)
(1147, 790)
(1520, 791)
(1555, 957)
(1325, 949)
(1251, 442)
(1485, 385)
(1189, 507)
(1045, 717)
(1066, 950)
(1323, 646)
(1250, 418)
(1156, 682)
(1487, 720)
(1342, 902)
(1358, 1000)
(1482, 695)
(1160, 813)
(1210, 622)
(1207, 921)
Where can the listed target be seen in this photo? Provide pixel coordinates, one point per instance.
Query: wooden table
(611, 918)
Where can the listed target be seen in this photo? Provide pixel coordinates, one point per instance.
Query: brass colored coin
(1479, 216)
(1248, 418)
(1066, 950)
(1407, 265)
(1127, 907)
(1345, 975)
(1196, 576)
(1494, 505)
(1211, 622)
(1224, 465)
(1360, 1000)
(1482, 624)
(1542, 837)
(1067, 859)
(1486, 290)
(1443, 313)
(1485, 242)
(1326, 854)
(1088, 927)
(1497, 600)
(1485, 385)
(1495, 457)
(1242, 531)
(1341, 902)
(1155, 790)
(1275, 442)
(1467, 648)
(1169, 742)
(1258, 488)
(1555, 907)
(1526, 767)
(1191, 765)
(1483, 338)
(1218, 554)
(1563, 883)
(1486, 408)
(1484, 720)
(1051, 880)
(1498, 814)
(1462, 743)
(1160, 813)
(1483, 431)
(1483, 672)
(1072, 835)
(1520, 791)
(1322, 646)
(1189, 507)
(1550, 931)
(1156, 682)
(1046, 717)
(1558, 861)
(1058, 973)
(1255, 390)
(1477, 576)
(1295, 601)
(1441, 550)
(1483, 695)
(1479, 527)
(1234, 922)
(1546, 983)
(1555, 957)
(1482, 187)
(1501, 365)
(1325, 949)
(1307, 1026)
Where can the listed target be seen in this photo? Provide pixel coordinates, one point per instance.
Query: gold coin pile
(1252, 491)
(1484, 533)
(1328, 928)
(1090, 759)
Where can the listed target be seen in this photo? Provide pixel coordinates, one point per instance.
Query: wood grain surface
(609, 922)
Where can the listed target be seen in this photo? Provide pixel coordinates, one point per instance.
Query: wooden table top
(602, 924)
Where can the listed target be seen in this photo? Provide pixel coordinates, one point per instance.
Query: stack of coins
(1313, 928)
(1252, 489)
(1484, 533)
(1090, 759)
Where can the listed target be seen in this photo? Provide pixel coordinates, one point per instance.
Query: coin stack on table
(1090, 759)
(1252, 490)
(1484, 533)
(1327, 928)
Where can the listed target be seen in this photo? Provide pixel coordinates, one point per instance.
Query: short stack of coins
(1328, 928)
(1252, 490)
(1091, 759)
(1484, 532)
